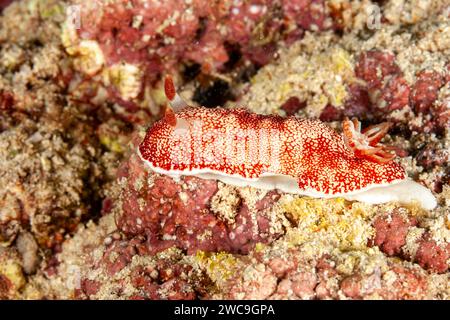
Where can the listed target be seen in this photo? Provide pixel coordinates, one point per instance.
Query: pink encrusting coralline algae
(293, 155)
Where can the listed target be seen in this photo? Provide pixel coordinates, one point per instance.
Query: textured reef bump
(399, 234)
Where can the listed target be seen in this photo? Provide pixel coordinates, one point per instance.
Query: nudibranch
(299, 156)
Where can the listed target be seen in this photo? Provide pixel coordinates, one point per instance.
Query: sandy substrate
(81, 217)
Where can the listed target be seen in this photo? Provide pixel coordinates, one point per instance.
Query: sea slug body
(299, 156)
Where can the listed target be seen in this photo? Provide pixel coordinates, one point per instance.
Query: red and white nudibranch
(298, 156)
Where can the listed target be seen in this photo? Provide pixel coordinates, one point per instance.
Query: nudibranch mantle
(299, 156)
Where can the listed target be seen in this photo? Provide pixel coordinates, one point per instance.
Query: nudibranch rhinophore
(299, 156)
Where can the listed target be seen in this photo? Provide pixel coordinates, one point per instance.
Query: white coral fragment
(127, 78)
(89, 57)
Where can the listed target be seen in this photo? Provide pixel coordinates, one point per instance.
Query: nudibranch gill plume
(299, 156)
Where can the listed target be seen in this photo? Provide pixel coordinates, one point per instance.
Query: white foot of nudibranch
(406, 191)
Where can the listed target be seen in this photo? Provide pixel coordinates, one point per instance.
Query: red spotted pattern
(237, 142)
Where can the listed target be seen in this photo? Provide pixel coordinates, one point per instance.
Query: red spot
(352, 286)
(6, 100)
(90, 287)
(169, 88)
(4, 4)
(391, 232)
(425, 91)
(293, 105)
(170, 116)
(373, 66)
(394, 94)
(5, 287)
(431, 256)
(358, 103)
(107, 206)
(330, 113)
